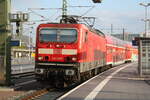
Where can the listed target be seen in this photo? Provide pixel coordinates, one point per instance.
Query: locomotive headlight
(69, 72)
(57, 45)
(74, 59)
(39, 71)
(40, 58)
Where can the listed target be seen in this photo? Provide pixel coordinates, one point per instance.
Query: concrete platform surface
(119, 83)
(7, 93)
(6, 89)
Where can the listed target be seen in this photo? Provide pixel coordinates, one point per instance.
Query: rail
(36, 94)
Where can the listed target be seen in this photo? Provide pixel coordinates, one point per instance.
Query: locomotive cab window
(58, 35)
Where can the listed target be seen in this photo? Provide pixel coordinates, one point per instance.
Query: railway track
(43, 93)
(23, 79)
(14, 76)
(36, 94)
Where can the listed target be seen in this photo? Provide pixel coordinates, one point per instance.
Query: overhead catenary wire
(91, 7)
(44, 8)
(88, 11)
(80, 6)
(45, 18)
(38, 14)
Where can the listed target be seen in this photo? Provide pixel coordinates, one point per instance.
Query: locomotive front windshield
(58, 35)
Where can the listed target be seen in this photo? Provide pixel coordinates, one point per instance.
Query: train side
(119, 51)
(66, 53)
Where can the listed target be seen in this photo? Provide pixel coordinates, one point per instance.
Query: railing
(22, 67)
(24, 60)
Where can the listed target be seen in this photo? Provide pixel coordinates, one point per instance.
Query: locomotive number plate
(57, 51)
(57, 58)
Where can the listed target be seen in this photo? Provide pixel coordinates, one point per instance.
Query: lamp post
(148, 25)
(30, 43)
(145, 5)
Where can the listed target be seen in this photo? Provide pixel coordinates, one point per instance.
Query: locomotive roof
(113, 40)
(99, 32)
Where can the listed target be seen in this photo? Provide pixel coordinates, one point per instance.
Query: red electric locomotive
(68, 53)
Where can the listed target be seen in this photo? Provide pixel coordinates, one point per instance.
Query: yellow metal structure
(5, 37)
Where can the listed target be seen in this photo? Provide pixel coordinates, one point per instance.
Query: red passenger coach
(118, 51)
(128, 52)
(68, 53)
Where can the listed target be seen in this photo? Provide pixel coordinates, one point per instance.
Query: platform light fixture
(97, 1)
(145, 20)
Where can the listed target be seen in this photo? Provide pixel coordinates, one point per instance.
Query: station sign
(15, 43)
(134, 43)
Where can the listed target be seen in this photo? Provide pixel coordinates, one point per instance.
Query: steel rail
(36, 94)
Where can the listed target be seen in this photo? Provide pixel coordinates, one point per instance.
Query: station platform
(119, 83)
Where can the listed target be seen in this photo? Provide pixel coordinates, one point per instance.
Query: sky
(121, 14)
